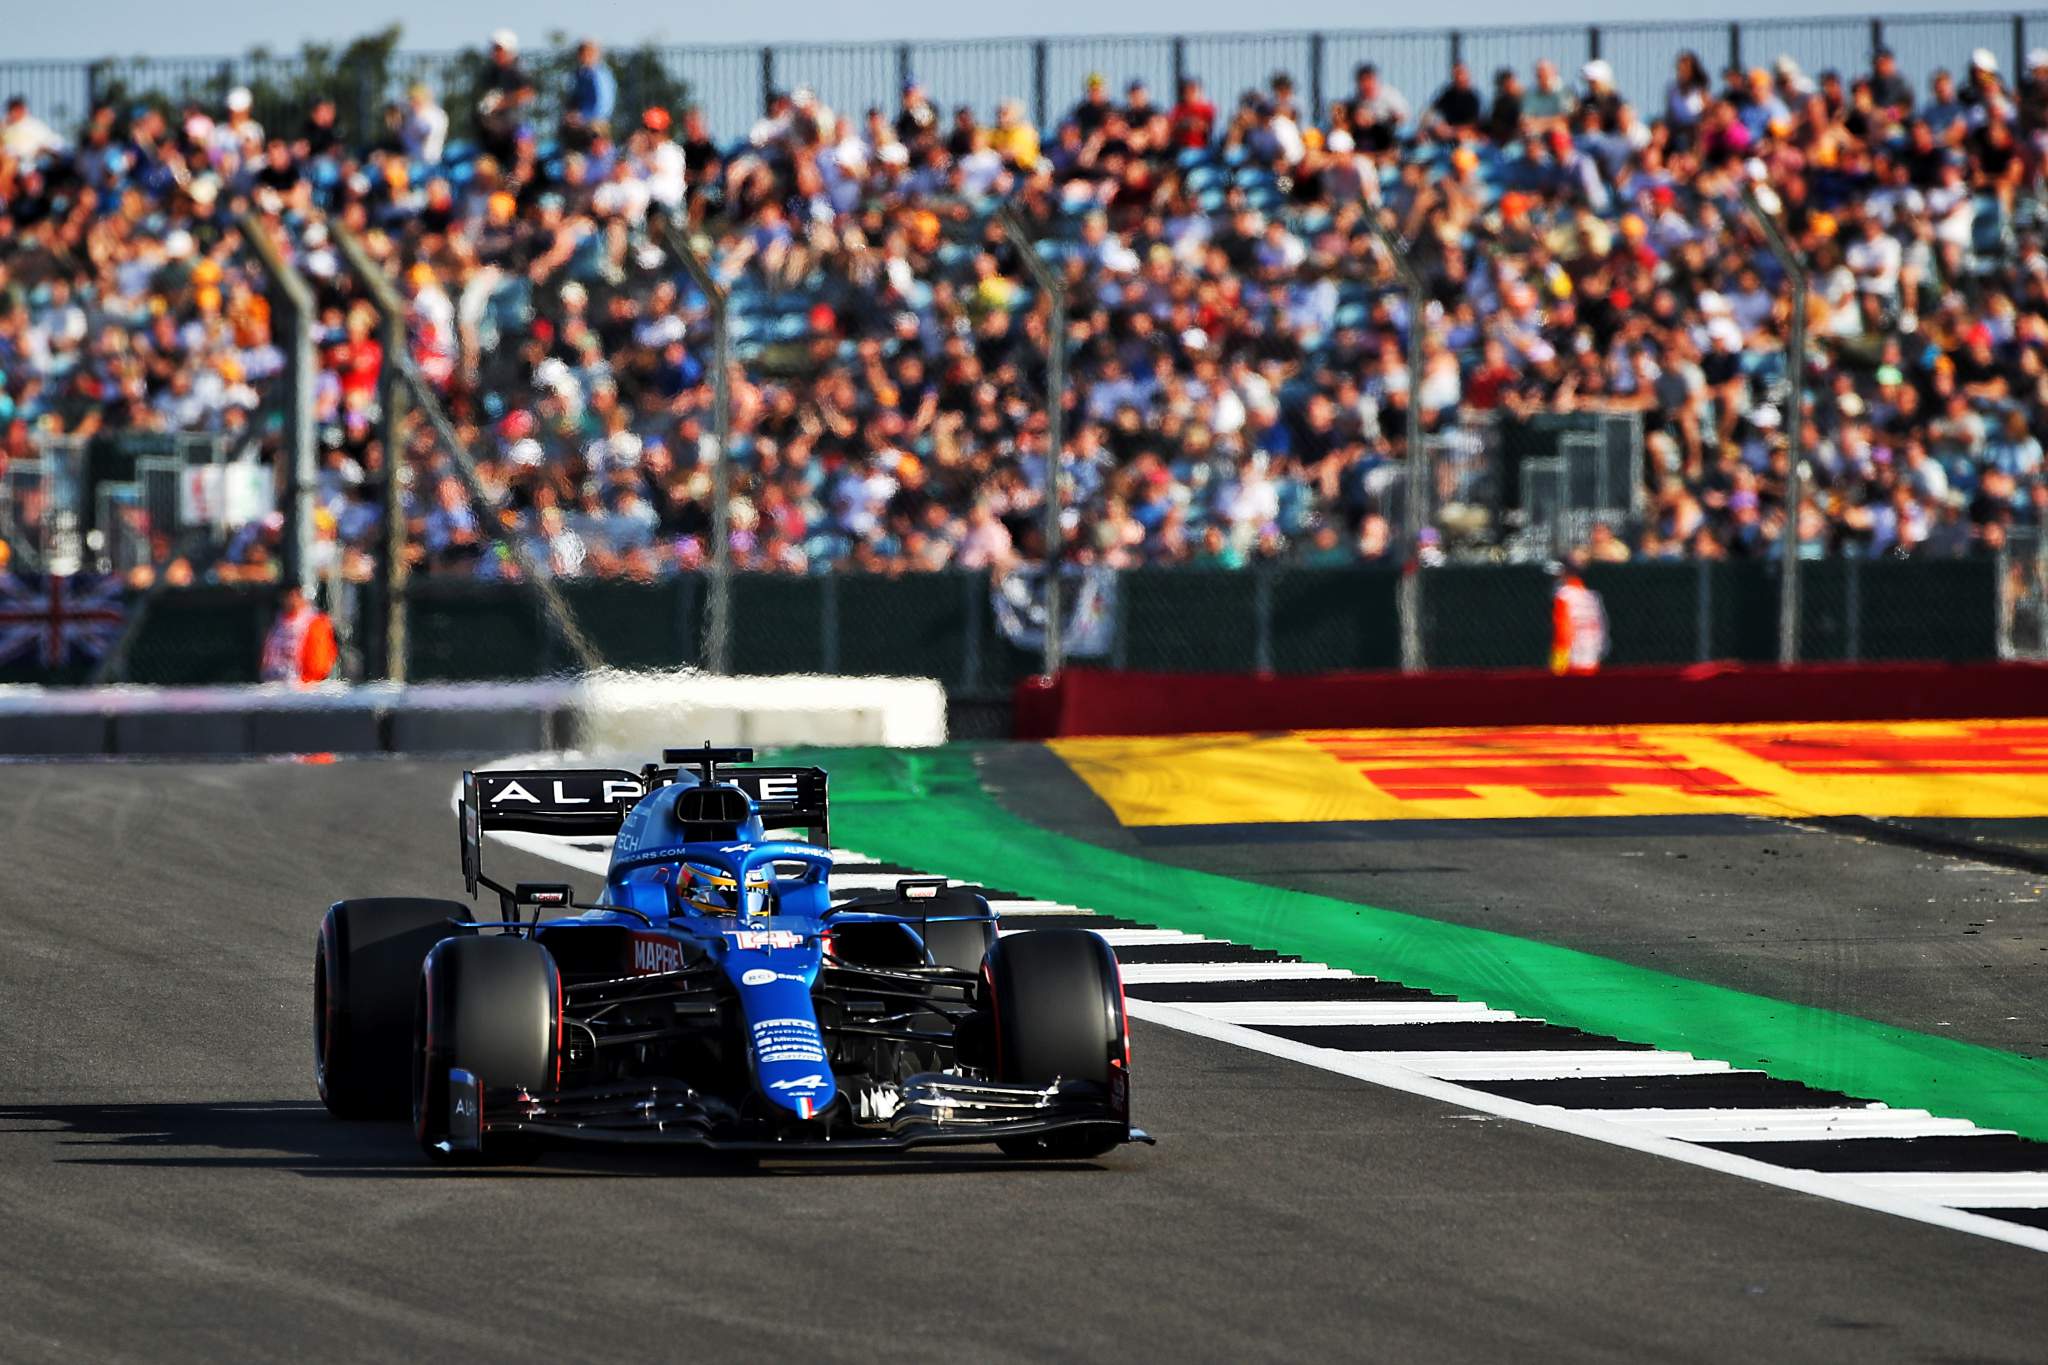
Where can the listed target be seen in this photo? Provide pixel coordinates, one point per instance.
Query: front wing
(936, 1110)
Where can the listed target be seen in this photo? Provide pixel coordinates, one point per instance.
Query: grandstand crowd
(1240, 390)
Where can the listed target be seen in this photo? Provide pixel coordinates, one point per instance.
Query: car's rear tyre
(366, 970)
(1056, 1001)
(491, 1006)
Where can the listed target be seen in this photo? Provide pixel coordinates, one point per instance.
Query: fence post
(1703, 606)
(2041, 593)
(366, 106)
(767, 79)
(1416, 497)
(391, 570)
(1734, 44)
(549, 602)
(974, 586)
(1038, 101)
(1592, 42)
(1055, 290)
(1457, 47)
(1315, 73)
(1876, 38)
(95, 82)
(1794, 267)
(1852, 609)
(718, 610)
(300, 472)
(903, 72)
(828, 624)
(2019, 50)
(1180, 65)
(1262, 619)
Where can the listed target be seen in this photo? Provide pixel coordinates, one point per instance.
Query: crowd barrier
(1282, 620)
(635, 713)
(1086, 701)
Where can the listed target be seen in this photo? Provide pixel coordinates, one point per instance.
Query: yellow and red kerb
(1920, 768)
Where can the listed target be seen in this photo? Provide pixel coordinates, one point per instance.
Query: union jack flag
(60, 618)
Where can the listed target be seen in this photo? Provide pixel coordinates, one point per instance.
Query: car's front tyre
(490, 1006)
(1056, 1001)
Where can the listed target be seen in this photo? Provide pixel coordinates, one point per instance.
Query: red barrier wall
(1086, 701)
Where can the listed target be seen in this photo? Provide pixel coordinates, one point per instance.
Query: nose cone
(772, 971)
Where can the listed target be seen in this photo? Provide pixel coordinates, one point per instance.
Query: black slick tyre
(366, 971)
(1056, 1002)
(491, 1006)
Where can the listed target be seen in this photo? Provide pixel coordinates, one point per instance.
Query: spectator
(1685, 98)
(1549, 105)
(504, 98)
(425, 132)
(25, 137)
(1013, 138)
(593, 95)
(1888, 89)
(1378, 111)
(1193, 119)
(1504, 115)
(1454, 113)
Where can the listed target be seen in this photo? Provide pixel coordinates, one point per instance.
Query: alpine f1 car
(715, 994)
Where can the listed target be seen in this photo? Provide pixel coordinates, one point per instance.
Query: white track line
(1924, 1198)
(1158, 973)
(1536, 1065)
(864, 882)
(1590, 1123)
(1138, 938)
(1793, 1125)
(559, 849)
(1313, 1013)
(1962, 1189)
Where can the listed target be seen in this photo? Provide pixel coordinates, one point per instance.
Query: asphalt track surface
(171, 1189)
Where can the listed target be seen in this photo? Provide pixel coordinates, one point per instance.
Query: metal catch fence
(734, 83)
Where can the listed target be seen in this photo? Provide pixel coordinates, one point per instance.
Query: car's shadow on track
(299, 1136)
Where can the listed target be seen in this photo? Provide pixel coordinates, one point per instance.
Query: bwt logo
(656, 955)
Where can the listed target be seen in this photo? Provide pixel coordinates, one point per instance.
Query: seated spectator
(1193, 119)
(1454, 113)
(425, 132)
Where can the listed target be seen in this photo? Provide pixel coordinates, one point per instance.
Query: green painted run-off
(927, 809)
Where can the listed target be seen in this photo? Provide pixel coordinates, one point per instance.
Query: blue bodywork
(770, 951)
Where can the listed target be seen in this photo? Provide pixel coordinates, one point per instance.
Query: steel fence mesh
(1655, 612)
(979, 75)
(1645, 57)
(1932, 609)
(731, 82)
(2023, 596)
(1229, 64)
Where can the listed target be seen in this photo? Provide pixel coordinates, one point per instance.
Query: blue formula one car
(715, 994)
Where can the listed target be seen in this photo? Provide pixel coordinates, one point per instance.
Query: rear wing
(595, 801)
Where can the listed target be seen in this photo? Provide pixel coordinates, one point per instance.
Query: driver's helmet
(713, 890)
